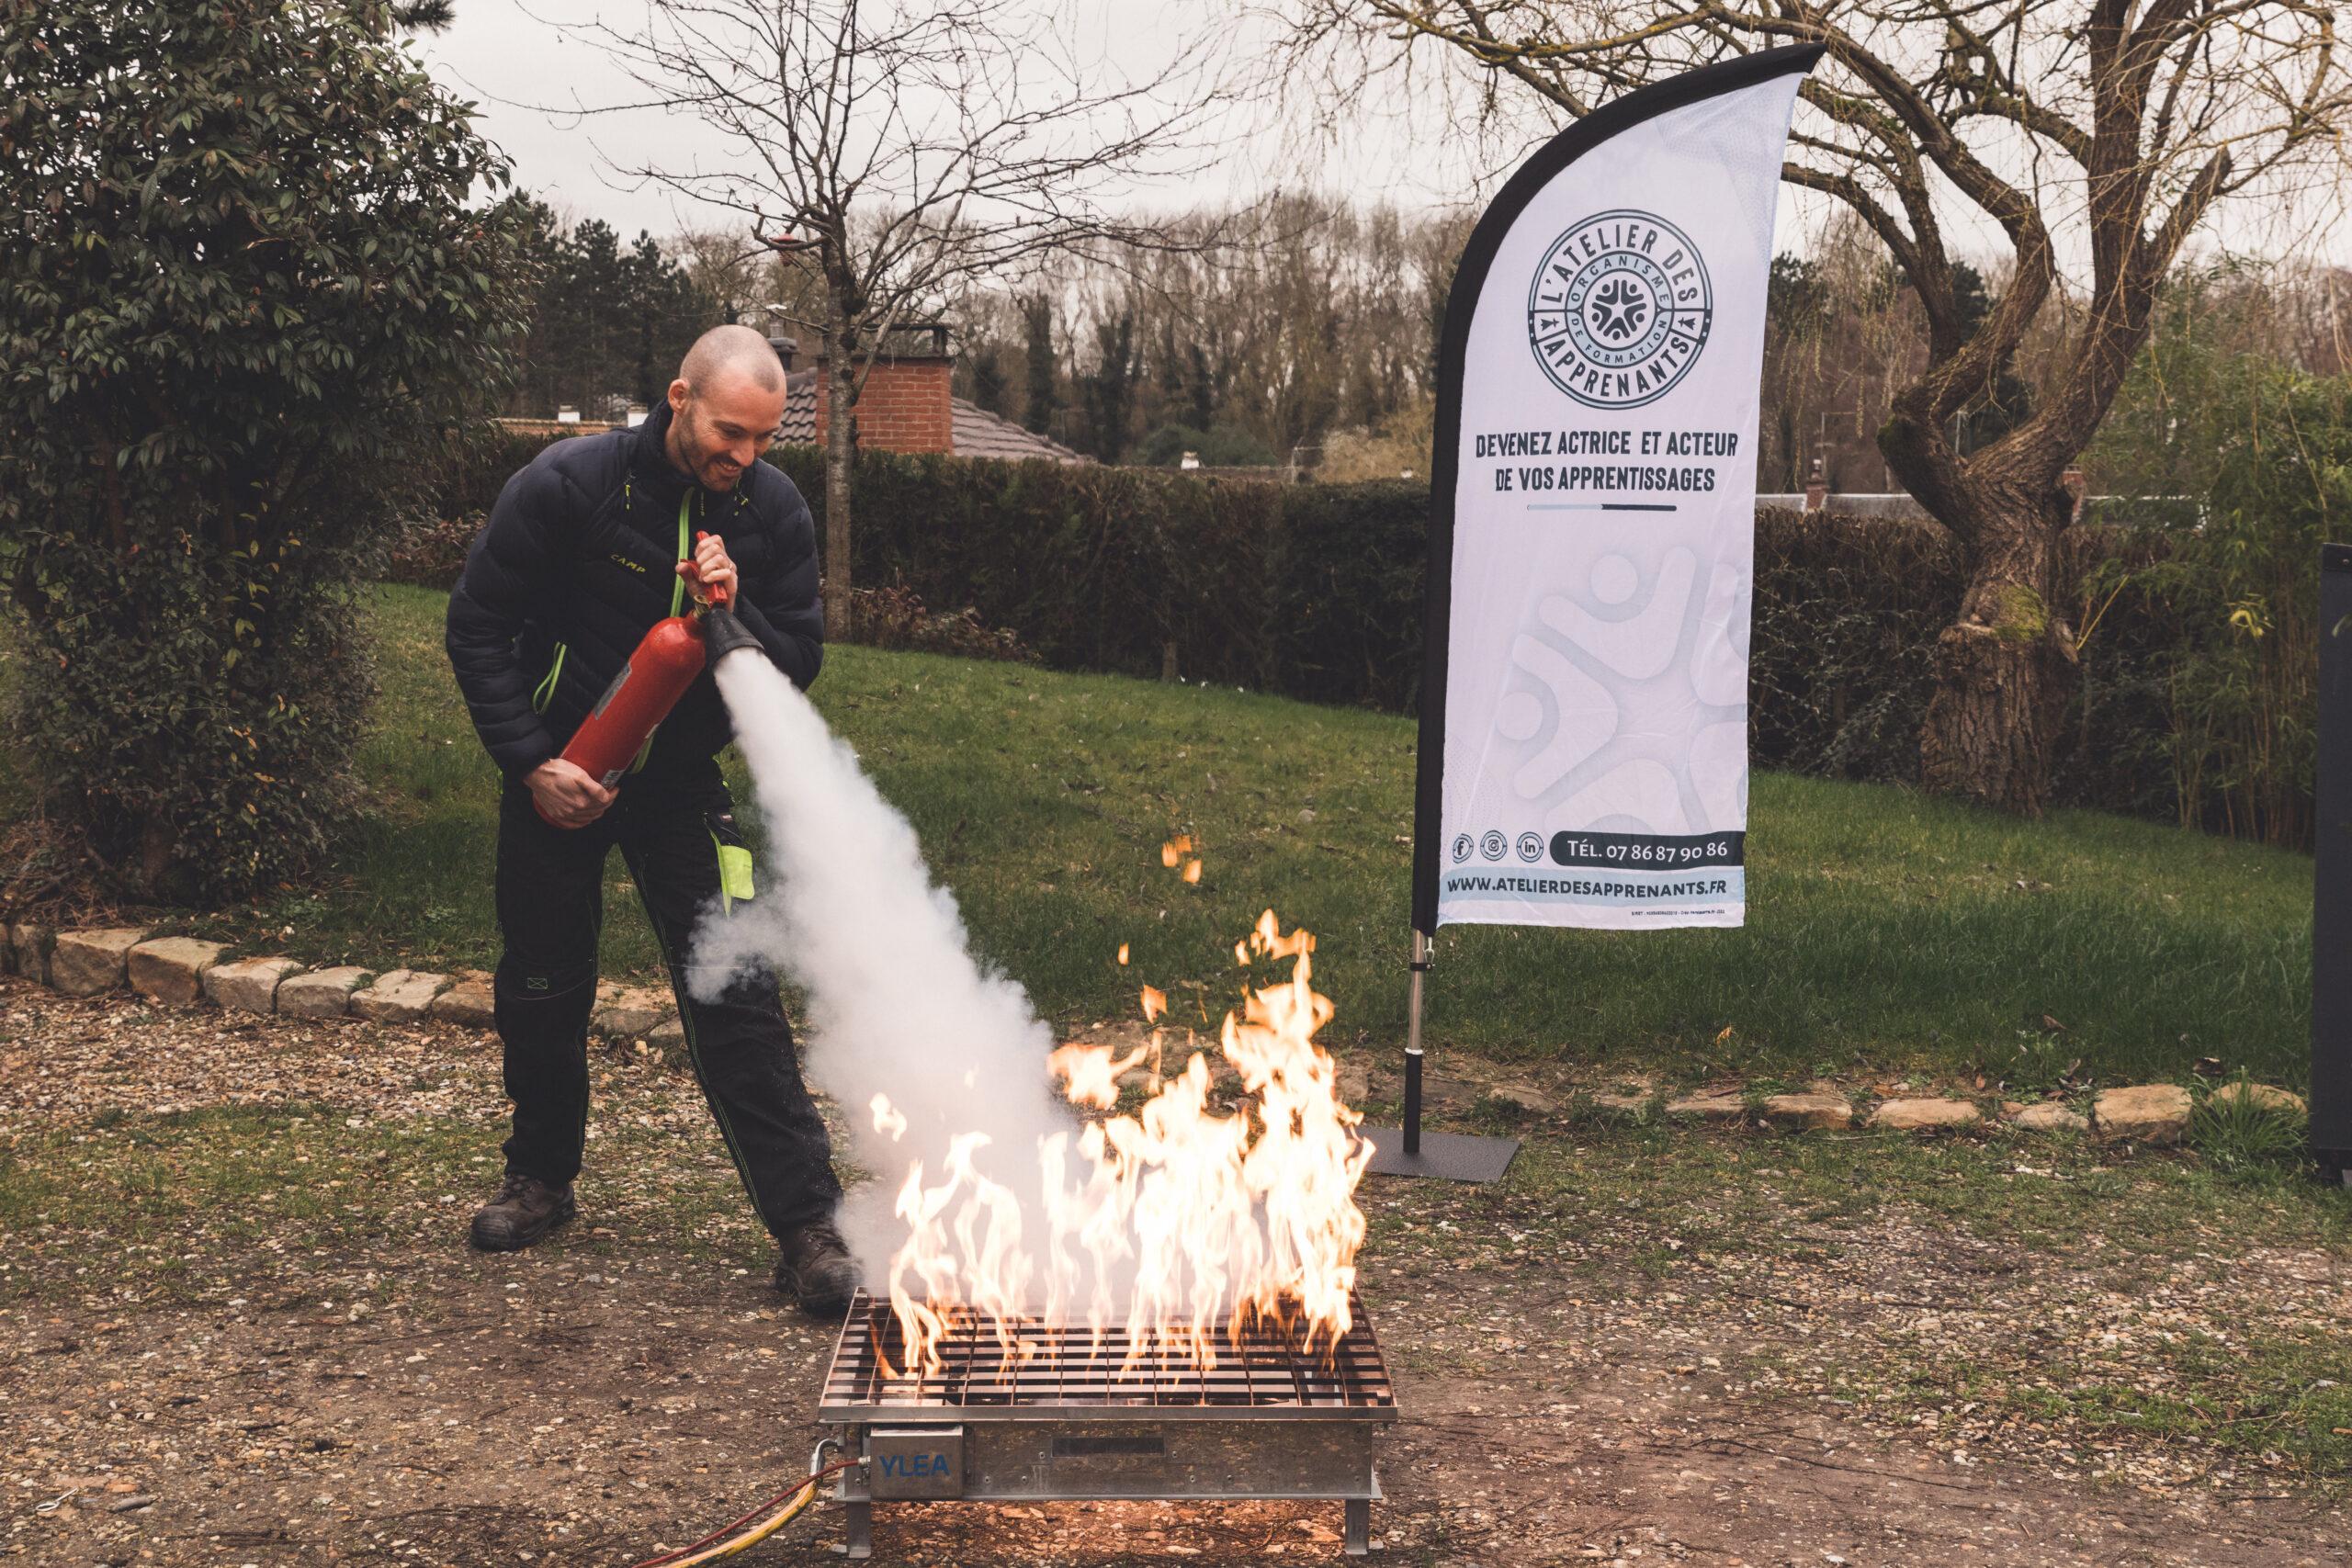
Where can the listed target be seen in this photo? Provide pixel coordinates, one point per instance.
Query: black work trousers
(550, 913)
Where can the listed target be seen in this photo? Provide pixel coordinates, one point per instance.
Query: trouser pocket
(542, 1006)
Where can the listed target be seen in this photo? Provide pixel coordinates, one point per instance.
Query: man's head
(724, 405)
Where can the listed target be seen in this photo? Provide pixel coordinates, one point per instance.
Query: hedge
(1095, 568)
(1315, 591)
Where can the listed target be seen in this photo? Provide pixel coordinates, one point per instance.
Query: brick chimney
(905, 406)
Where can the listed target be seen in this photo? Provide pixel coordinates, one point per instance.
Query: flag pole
(1413, 1048)
(2331, 1109)
(1411, 1151)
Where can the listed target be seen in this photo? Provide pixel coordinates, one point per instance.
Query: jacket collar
(653, 508)
(649, 457)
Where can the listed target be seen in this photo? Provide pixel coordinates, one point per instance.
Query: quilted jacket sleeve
(510, 573)
(779, 604)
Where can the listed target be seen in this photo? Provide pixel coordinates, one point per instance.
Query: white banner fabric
(1595, 686)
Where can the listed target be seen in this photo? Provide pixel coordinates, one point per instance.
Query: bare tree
(905, 152)
(2094, 137)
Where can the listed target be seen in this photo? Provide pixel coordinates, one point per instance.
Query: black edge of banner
(1612, 118)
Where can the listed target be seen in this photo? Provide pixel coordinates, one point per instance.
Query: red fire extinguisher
(666, 662)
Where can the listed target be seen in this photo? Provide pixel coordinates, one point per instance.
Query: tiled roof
(979, 433)
(976, 432)
(800, 427)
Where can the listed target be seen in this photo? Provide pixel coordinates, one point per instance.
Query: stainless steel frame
(1061, 1414)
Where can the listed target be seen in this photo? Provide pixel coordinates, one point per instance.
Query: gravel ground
(300, 1362)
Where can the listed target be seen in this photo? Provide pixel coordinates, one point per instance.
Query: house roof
(975, 431)
(979, 433)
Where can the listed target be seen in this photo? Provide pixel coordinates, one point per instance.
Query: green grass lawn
(1887, 930)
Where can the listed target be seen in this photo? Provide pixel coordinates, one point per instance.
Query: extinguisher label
(610, 693)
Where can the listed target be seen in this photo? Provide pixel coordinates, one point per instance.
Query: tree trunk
(155, 839)
(841, 460)
(2006, 665)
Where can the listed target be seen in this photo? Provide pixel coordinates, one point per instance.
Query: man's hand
(565, 794)
(710, 569)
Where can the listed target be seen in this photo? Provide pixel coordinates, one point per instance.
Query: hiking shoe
(816, 1267)
(525, 1209)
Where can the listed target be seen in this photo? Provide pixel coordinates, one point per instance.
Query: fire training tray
(1060, 1416)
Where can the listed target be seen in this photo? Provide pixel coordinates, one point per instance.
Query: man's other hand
(710, 569)
(565, 794)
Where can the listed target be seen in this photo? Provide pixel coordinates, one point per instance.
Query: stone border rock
(2148, 1114)
(171, 968)
(181, 971)
(1926, 1115)
(2155, 1115)
(249, 985)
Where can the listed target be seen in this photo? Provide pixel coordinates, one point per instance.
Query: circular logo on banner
(1619, 310)
(1462, 846)
(1491, 844)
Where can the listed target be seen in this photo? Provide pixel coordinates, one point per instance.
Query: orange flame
(1091, 1074)
(1175, 849)
(1155, 1003)
(1174, 1219)
(1123, 953)
(1191, 870)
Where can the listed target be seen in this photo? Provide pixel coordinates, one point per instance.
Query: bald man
(587, 548)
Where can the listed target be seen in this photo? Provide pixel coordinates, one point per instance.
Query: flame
(986, 1237)
(888, 1119)
(1123, 953)
(1155, 1003)
(1175, 849)
(1091, 1074)
(1172, 1220)
(1191, 870)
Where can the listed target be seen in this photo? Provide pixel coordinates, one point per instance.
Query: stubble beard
(686, 453)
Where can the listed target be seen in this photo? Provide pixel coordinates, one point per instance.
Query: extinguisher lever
(717, 596)
(722, 634)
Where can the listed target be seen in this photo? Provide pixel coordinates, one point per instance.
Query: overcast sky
(513, 60)
(518, 64)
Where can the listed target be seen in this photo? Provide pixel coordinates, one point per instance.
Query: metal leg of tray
(1359, 1526)
(857, 1516)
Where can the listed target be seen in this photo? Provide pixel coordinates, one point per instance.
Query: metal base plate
(1449, 1156)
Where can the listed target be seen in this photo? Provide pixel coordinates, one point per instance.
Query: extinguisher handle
(717, 596)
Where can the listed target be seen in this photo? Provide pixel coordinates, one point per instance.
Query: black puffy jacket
(579, 554)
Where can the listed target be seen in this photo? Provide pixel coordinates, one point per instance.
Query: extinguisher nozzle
(722, 633)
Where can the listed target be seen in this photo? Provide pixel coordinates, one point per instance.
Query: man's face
(720, 432)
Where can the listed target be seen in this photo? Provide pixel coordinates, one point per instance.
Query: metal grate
(1063, 1371)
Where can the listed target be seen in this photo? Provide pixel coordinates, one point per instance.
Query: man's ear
(679, 393)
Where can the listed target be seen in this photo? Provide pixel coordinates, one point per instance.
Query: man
(586, 549)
